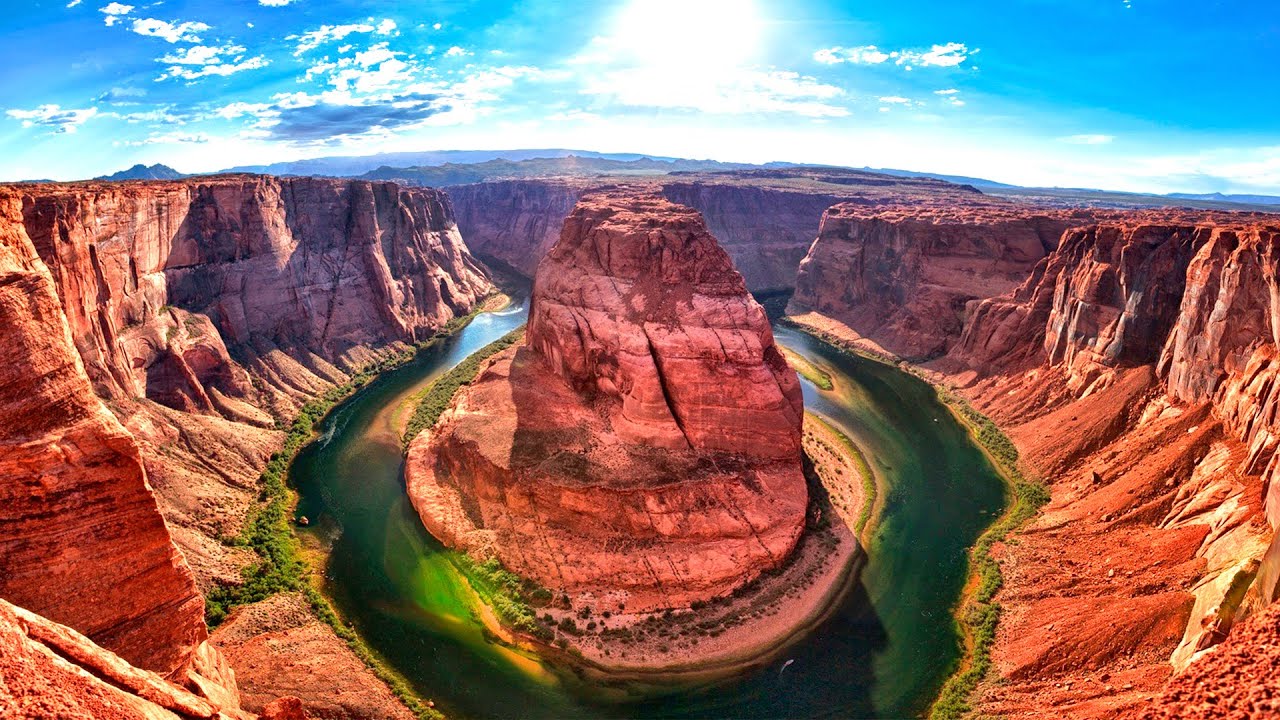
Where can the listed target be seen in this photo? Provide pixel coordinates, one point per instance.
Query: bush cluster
(441, 392)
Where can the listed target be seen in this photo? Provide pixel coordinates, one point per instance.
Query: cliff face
(649, 423)
(514, 221)
(764, 220)
(204, 312)
(207, 309)
(1133, 369)
(306, 265)
(901, 276)
(766, 231)
(81, 539)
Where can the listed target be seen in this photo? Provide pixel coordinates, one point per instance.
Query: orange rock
(643, 448)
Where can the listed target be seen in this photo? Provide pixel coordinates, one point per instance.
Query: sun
(689, 33)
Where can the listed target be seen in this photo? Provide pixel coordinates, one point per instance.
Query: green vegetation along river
(884, 651)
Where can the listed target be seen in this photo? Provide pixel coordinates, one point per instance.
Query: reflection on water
(884, 652)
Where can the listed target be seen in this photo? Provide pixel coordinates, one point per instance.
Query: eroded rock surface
(1132, 371)
(902, 275)
(643, 447)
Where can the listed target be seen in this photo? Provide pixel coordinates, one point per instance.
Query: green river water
(884, 652)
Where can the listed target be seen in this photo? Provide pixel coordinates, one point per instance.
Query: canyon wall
(901, 276)
(649, 422)
(1133, 371)
(764, 219)
(81, 539)
(160, 333)
(207, 311)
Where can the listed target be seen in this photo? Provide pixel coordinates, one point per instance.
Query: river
(883, 653)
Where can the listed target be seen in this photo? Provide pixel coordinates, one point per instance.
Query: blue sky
(1158, 95)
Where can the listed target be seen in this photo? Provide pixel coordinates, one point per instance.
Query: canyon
(765, 219)
(163, 335)
(648, 421)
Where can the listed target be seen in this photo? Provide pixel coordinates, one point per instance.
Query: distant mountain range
(143, 172)
(356, 166)
(463, 173)
(1219, 197)
(458, 167)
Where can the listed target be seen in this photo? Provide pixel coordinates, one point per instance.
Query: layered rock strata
(81, 539)
(204, 313)
(642, 448)
(1133, 369)
(765, 220)
(902, 276)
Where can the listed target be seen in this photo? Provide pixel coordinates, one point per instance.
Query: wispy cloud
(950, 54)
(198, 61)
(276, 3)
(313, 39)
(54, 117)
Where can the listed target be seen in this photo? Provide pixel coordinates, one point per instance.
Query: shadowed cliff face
(1135, 368)
(206, 311)
(902, 275)
(650, 423)
(305, 265)
(765, 220)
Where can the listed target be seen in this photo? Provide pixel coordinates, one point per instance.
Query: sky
(1139, 95)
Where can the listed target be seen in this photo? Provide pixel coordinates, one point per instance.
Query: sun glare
(670, 33)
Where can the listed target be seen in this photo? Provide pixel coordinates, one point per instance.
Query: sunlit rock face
(643, 447)
(1136, 370)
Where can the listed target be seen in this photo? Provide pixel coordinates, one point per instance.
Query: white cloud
(895, 100)
(1087, 139)
(53, 116)
(328, 33)
(456, 51)
(200, 54)
(951, 91)
(113, 12)
(951, 54)
(169, 138)
(171, 32)
(218, 69)
(436, 26)
(74, 3)
(866, 55)
(276, 3)
(735, 92)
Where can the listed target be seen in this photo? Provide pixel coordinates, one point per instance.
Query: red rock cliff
(1133, 369)
(643, 448)
(765, 220)
(902, 275)
(204, 311)
(81, 539)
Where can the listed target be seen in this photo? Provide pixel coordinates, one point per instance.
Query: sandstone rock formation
(81, 539)
(208, 310)
(643, 447)
(204, 313)
(764, 219)
(901, 276)
(1133, 371)
(48, 670)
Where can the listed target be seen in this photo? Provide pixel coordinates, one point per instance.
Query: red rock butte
(643, 447)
